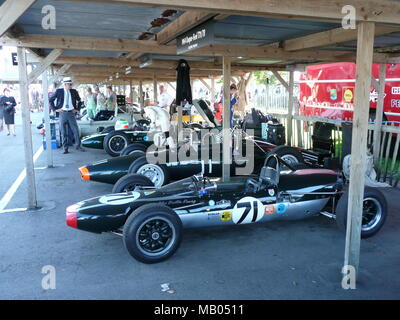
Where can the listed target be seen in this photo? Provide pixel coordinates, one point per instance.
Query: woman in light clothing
(90, 103)
(101, 101)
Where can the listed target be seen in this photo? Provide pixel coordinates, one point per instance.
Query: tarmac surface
(277, 260)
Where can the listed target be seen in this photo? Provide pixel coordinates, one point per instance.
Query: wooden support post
(141, 97)
(46, 62)
(60, 72)
(290, 109)
(365, 50)
(180, 124)
(49, 149)
(379, 112)
(10, 11)
(212, 92)
(226, 123)
(155, 91)
(26, 126)
(131, 90)
(281, 80)
(205, 84)
(172, 86)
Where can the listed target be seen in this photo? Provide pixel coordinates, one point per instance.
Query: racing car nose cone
(155, 236)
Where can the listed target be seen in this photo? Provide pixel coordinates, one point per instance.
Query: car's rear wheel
(152, 233)
(134, 148)
(157, 173)
(130, 182)
(374, 212)
(115, 142)
(289, 154)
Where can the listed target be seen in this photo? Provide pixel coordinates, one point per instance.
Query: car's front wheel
(157, 173)
(152, 233)
(374, 212)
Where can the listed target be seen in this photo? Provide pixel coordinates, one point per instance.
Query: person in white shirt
(165, 99)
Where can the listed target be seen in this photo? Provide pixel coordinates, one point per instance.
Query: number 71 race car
(151, 220)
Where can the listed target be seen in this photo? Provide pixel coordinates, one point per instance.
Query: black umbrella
(183, 88)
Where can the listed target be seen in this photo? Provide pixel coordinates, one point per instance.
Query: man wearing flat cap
(66, 102)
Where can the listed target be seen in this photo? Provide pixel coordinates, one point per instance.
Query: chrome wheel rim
(154, 173)
(155, 236)
(117, 143)
(290, 159)
(372, 214)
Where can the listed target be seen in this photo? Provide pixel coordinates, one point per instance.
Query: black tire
(130, 181)
(115, 142)
(157, 173)
(166, 232)
(289, 154)
(133, 149)
(375, 199)
(108, 129)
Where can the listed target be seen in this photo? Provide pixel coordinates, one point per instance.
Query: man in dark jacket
(66, 102)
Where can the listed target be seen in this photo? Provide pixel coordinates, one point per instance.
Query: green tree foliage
(267, 77)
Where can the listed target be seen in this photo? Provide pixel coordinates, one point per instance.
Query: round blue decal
(145, 138)
(281, 208)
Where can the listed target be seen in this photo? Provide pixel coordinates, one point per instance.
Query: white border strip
(10, 193)
(14, 210)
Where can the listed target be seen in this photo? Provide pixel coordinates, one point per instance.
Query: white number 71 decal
(247, 210)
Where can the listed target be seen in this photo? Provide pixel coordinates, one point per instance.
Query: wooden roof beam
(116, 62)
(87, 43)
(331, 37)
(185, 22)
(10, 11)
(379, 11)
(279, 53)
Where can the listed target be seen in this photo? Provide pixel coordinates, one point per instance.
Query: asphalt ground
(277, 260)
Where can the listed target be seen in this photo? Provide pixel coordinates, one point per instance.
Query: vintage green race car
(138, 137)
(151, 220)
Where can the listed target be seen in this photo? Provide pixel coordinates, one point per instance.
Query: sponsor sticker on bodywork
(269, 209)
(226, 216)
(281, 208)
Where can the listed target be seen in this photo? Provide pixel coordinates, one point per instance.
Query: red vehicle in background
(327, 90)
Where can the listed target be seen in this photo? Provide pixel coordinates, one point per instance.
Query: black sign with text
(14, 58)
(198, 37)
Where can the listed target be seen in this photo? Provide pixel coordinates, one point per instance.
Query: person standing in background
(100, 100)
(90, 103)
(135, 96)
(67, 106)
(234, 98)
(111, 101)
(147, 97)
(165, 99)
(8, 104)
